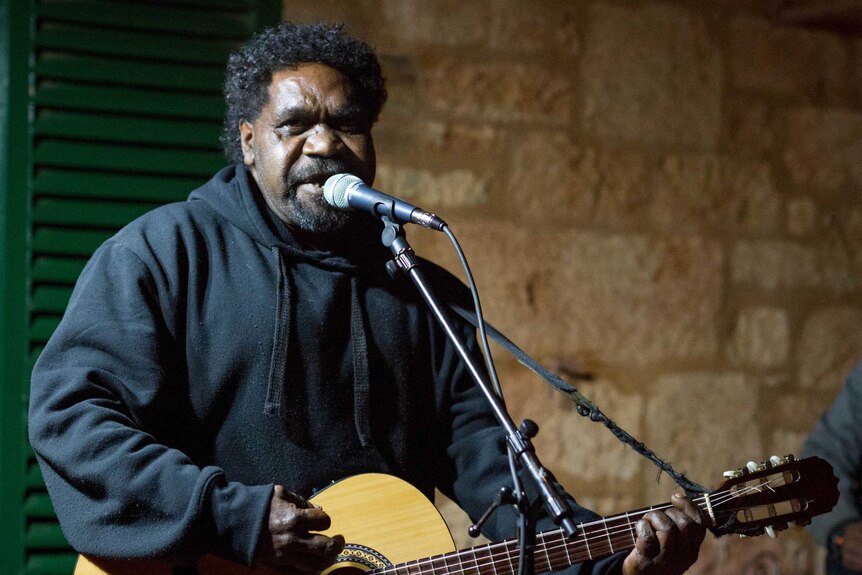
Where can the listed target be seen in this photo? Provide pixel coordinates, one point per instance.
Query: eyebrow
(304, 114)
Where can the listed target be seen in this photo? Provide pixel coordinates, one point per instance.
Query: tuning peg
(754, 466)
(771, 532)
(731, 473)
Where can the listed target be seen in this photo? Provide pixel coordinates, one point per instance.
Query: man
(837, 438)
(223, 358)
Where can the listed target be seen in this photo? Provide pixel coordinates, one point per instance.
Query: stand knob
(529, 428)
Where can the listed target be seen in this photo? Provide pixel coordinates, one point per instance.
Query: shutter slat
(135, 159)
(128, 129)
(35, 352)
(57, 241)
(51, 299)
(134, 44)
(42, 328)
(235, 5)
(98, 185)
(63, 66)
(38, 506)
(34, 476)
(93, 214)
(57, 270)
(51, 563)
(126, 100)
(43, 535)
(150, 18)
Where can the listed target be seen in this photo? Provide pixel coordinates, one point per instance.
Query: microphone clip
(392, 236)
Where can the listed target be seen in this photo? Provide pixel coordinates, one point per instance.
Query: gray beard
(324, 219)
(321, 217)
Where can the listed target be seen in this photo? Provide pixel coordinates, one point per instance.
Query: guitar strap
(584, 406)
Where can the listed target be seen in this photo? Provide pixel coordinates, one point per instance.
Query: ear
(246, 140)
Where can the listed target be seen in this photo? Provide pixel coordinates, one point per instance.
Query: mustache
(317, 171)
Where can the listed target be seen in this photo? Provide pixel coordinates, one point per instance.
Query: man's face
(311, 128)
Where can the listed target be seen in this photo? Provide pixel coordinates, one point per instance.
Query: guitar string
(620, 531)
(510, 549)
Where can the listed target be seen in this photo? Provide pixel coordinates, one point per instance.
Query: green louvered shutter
(125, 112)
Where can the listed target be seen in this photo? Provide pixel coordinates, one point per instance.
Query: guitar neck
(553, 551)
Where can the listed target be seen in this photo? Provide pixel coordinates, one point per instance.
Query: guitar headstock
(767, 496)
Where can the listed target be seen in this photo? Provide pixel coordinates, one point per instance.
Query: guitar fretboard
(553, 551)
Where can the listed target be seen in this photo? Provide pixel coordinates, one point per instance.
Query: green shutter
(123, 109)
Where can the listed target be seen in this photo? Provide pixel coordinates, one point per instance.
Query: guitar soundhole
(357, 560)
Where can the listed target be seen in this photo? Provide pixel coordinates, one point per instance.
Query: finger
(660, 521)
(688, 530)
(687, 506)
(291, 497)
(647, 545)
(289, 519)
(309, 553)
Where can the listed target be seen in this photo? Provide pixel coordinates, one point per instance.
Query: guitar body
(382, 518)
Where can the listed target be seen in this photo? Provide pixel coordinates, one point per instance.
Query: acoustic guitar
(390, 528)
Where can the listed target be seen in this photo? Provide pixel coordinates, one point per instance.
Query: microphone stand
(558, 509)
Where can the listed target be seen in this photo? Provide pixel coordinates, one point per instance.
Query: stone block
(750, 125)
(786, 441)
(829, 347)
(698, 192)
(761, 338)
(651, 74)
(443, 22)
(798, 412)
(856, 57)
(454, 188)
(544, 29)
(621, 299)
(789, 554)
(497, 91)
(554, 178)
(774, 265)
(789, 61)
(587, 451)
(823, 148)
(801, 217)
(688, 419)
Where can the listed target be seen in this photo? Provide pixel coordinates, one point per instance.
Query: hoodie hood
(234, 195)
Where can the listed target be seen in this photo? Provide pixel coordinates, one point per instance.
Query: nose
(322, 141)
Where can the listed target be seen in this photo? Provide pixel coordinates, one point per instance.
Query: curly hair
(287, 45)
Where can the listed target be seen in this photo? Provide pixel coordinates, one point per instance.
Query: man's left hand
(667, 541)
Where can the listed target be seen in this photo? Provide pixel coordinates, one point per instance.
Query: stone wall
(664, 195)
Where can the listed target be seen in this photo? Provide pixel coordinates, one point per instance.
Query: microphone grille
(335, 189)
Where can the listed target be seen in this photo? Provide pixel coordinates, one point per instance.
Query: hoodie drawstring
(281, 342)
(361, 383)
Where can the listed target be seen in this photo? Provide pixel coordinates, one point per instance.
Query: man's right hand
(286, 541)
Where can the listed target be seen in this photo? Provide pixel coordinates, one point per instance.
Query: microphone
(347, 192)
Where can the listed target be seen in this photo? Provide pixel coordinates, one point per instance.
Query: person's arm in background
(837, 438)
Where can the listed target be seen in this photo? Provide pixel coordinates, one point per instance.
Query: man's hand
(286, 541)
(851, 548)
(667, 541)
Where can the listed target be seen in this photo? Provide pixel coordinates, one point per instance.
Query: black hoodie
(203, 358)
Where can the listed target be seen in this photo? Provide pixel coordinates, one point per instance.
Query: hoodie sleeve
(476, 464)
(837, 438)
(105, 393)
